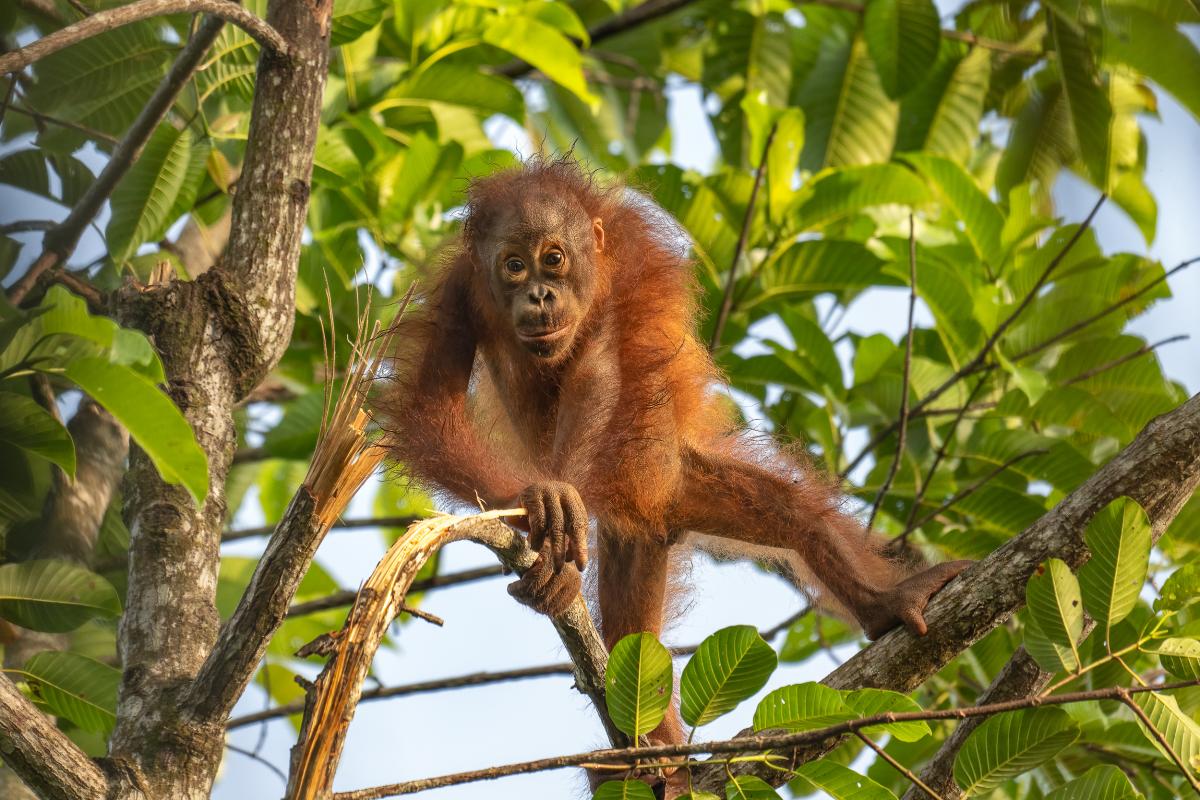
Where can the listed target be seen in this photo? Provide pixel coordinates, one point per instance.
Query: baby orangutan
(553, 363)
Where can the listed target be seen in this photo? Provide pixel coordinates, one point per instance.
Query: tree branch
(746, 744)
(60, 242)
(109, 19)
(49, 763)
(1160, 469)
(628, 20)
(343, 599)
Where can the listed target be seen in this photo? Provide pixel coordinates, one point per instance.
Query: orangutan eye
(514, 266)
(553, 258)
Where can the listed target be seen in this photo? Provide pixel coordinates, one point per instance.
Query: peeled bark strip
(1160, 469)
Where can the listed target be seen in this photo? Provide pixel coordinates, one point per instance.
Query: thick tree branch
(109, 19)
(49, 763)
(1160, 469)
(60, 242)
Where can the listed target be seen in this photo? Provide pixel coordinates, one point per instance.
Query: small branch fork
(748, 744)
(109, 19)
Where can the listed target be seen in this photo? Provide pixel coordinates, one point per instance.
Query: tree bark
(218, 337)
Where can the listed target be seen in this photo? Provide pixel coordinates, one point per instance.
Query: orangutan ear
(598, 234)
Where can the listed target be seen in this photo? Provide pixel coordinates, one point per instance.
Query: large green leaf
(850, 119)
(1103, 782)
(839, 781)
(1154, 47)
(1119, 538)
(748, 787)
(637, 683)
(32, 428)
(1179, 657)
(729, 666)
(802, 707)
(63, 330)
(542, 46)
(1055, 617)
(1040, 141)
(902, 37)
(151, 418)
(353, 18)
(982, 220)
(1176, 726)
(457, 85)
(941, 116)
(54, 596)
(872, 702)
(837, 193)
(76, 687)
(623, 790)
(1088, 102)
(1008, 745)
(104, 81)
(814, 266)
(26, 169)
(143, 202)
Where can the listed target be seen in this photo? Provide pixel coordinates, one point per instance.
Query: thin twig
(59, 243)
(740, 248)
(342, 599)
(26, 225)
(896, 765)
(1116, 362)
(46, 119)
(1123, 695)
(1124, 301)
(745, 744)
(481, 678)
(938, 457)
(344, 524)
(904, 381)
(253, 756)
(977, 362)
(972, 489)
(112, 18)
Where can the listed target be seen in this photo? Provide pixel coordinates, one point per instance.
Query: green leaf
(623, 790)
(1040, 142)
(1008, 745)
(143, 201)
(1087, 101)
(638, 683)
(871, 702)
(1055, 617)
(840, 782)
(1154, 47)
(353, 18)
(32, 428)
(1180, 590)
(802, 707)
(903, 38)
(729, 666)
(1179, 657)
(782, 161)
(1102, 782)
(460, 85)
(151, 418)
(941, 116)
(748, 787)
(26, 169)
(54, 596)
(814, 266)
(64, 330)
(1119, 538)
(553, 54)
(1176, 726)
(982, 220)
(850, 119)
(838, 193)
(76, 687)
